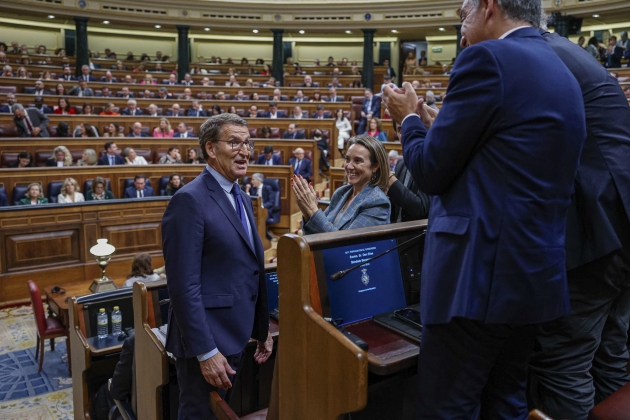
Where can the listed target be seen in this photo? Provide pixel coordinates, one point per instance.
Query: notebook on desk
(388, 320)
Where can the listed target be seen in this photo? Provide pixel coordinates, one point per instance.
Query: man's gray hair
(519, 10)
(542, 24)
(17, 107)
(393, 153)
(259, 176)
(210, 131)
(132, 101)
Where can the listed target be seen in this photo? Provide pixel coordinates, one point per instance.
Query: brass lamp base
(100, 285)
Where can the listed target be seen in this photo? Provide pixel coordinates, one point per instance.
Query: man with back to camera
(215, 266)
(501, 178)
(581, 358)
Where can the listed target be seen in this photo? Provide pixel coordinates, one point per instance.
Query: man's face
(300, 94)
(268, 155)
(307, 79)
(299, 154)
(172, 78)
(368, 94)
(108, 75)
(66, 71)
(392, 160)
(39, 102)
(105, 91)
(297, 111)
(182, 128)
(158, 66)
(10, 99)
(612, 42)
(152, 109)
(85, 70)
(205, 81)
(195, 105)
(330, 60)
(256, 182)
(128, 79)
(332, 93)
(137, 129)
(187, 92)
(291, 128)
(175, 109)
(139, 183)
(19, 113)
(162, 94)
(320, 112)
(473, 24)
(627, 92)
(187, 77)
(131, 105)
(273, 109)
(253, 111)
(386, 63)
(230, 163)
(82, 84)
(39, 85)
(125, 90)
(112, 149)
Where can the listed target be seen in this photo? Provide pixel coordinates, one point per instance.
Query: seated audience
(188, 81)
(125, 93)
(293, 133)
(172, 157)
(40, 89)
(240, 96)
(67, 74)
(105, 93)
(87, 109)
(141, 270)
(139, 189)
(299, 96)
(110, 110)
(265, 132)
(70, 192)
(215, 110)
(24, 160)
(34, 195)
(164, 129)
(39, 104)
(297, 113)
(196, 110)
(85, 74)
(393, 157)
(108, 78)
(99, 191)
(308, 81)
(61, 157)
(152, 111)
(182, 131)
(111, 157)
(253, 111)
(89, 158)
(148, 80)
(63, 130)
(172, 80)
(136, 131)
(332, 95)
(343, 127)
(30, 122)
(63, 107)
(257, 188)
(319, 112)
(132, 108)
(131, 158)
(195, 156)
(231, 109)
(174, 111)
(370, 108)
(254, 96)
(301, 166)
(174, 184)
(187, 96)
(85, 130)
(81, 90)
(374, 129)
(113, 130)
(430, 100)
(273, 111)
(360, 203)
(10, 102)
(268, 157)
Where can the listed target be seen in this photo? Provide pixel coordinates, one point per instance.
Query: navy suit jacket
(3, 200)
(192, 113)
(598, 220)
(5, 109)
(126, 111)
(131, 192)
(275, 159)
(306, 169)
(296, 135)
(104, 80)
(501, 176)
(104, 160)
(216, 278)
(190, 135)
(375, 106)
(141, 135)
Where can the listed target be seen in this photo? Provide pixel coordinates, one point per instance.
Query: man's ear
(489, 7)
(210, 150)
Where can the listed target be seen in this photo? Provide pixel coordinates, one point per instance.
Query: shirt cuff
(208, 355)
(410, 115)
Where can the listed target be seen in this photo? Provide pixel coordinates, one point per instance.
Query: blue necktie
(240, 210)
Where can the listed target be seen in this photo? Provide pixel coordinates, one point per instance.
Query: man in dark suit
(301, 165)
(494, 254)
(125, 93)
(319, 112)
(163, 93)
(136, 131)
(111, 157)
(10, 101)
(196, 111)
(293, 133)
(212, 317)
(332, 95)
(582, 358)
(299, 96)
(172, 80)
(139, 189)
(30, 122)
(67, 75)
(257, 188)
(268, 157)
(40, 88)
(85, 74)
(370, 108)
(408, 202)
(4, 202)
(81, 90)
(108, 78)
(39, 104)
(132, 108)
(182, 131)
(613, 53)
(273, 111)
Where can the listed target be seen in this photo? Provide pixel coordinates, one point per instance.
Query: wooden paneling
(134, 238)
(39, 250)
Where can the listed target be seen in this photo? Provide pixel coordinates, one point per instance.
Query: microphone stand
(340, 274)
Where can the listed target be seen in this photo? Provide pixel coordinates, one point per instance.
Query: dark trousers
(362, 125)
(581, 359)
(194, 391)
(469, 370)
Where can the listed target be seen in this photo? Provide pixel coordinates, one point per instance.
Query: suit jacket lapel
(335, 211)
(351, 210)
(213, 185)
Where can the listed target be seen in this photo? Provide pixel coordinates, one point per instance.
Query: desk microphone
(340, 274)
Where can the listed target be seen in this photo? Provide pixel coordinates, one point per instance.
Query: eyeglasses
(238, 145)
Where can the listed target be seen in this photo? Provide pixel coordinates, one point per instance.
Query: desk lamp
(102, 251)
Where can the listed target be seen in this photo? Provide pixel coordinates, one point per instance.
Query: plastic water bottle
(116, 321)
(101, 322)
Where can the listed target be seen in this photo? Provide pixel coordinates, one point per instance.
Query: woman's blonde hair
(91, 157)
(41, 190)
(67, 160)
(168, 124)
(378, 156)
(69, 181)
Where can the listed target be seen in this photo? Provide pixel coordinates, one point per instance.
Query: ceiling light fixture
(441, 29)
(51, 16)
(395, 31)
(206, 29)
(106, 22)
(348, 32)
(158, 26)
(595, 15)
(255, 31)
(302, 32)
